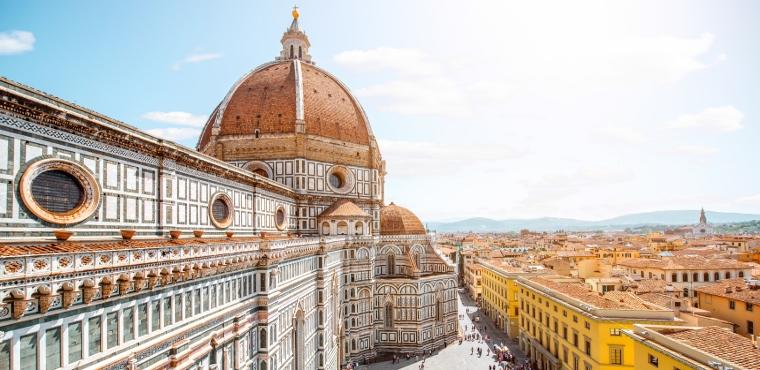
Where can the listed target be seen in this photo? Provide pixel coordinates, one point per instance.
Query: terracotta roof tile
(266, 100)
(329, 110)
(684, 263)
(610, 300)
(719, 342)
(396, 220)
(344, 208)
(736, 289)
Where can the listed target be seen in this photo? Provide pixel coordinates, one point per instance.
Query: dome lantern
(295, 43)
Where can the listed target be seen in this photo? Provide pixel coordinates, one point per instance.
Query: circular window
(220, 210)
(336, 180)
(279, 218)
(59, 191)
(340, 179)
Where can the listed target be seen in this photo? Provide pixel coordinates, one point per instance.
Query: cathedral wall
(139, 192)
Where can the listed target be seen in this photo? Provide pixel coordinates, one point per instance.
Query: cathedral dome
(271, 99)
(290, 108)
(397, 220)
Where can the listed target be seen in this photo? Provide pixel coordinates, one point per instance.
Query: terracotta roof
(344, 208)
(684, 263)
(659, 299)
(330, 110)
(719, 342)
(736, 289)
(609, 300)
(649, 286)
(266, 100)
(396, 220)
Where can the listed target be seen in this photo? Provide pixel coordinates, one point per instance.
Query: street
(456, 356)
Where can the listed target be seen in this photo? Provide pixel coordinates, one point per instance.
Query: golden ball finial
(295, 12)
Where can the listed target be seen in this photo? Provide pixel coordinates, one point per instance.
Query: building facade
(501, 298)
(734, 300)
(687, 273)
(565, 325)
(268, 248)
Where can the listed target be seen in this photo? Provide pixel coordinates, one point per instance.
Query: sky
(500, 109)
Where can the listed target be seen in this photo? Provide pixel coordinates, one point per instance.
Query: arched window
(291, 52)
(359, 228)
(695, 277)
(438, 310)
(261, 172)
(388, 315)
(741, 274)
(417, 261)
(342, 228)
(325, 228)
(298, 340)
(728, 274)
(716, 276)
(706, 276)
(391, 264)
(263, 338)
(300, 54)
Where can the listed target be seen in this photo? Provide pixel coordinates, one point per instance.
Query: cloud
(195, 58)
(697, 150)
(434, 96)
(175, 133)
(545, 191)
(16, 42)
(665, 58)
(408, 61)
(624, 134)
(725, 118)
(177, 118)
(424, 158)
(751, 199)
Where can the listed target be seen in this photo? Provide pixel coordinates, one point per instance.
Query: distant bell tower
(295, 44)
(702, 218)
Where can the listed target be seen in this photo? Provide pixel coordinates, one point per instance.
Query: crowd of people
(503, 357)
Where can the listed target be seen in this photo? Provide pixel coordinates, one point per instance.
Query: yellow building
(615, 254)
(658, 347)
(500, 298)
(472, 279)
(734, 300)
(565, 325)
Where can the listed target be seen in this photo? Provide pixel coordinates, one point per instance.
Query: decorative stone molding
(19, 304)
(90, 190)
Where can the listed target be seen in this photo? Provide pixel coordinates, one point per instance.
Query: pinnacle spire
(294, 25)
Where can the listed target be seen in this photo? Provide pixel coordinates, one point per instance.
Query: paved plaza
(456, 356)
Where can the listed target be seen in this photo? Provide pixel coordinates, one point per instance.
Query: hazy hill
(674, 218)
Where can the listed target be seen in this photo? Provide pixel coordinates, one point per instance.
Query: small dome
(396, 220)
(344, 208)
